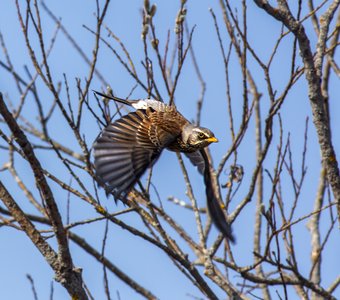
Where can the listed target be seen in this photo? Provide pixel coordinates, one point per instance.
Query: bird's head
(198, 137)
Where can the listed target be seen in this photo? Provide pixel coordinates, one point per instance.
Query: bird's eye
(201, 135)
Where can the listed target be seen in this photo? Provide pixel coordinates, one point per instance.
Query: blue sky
(138, 259)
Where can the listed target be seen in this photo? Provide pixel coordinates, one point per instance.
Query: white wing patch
(145, 103)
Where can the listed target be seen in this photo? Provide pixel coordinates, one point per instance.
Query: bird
(126, 148)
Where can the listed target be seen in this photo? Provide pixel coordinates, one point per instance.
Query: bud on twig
(145, 30)
(153, 10)
(147, 5)
(154, 43)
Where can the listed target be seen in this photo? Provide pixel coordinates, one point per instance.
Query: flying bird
(127, 147)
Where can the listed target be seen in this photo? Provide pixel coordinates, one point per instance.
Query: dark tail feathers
(214, 208)
(219, 219)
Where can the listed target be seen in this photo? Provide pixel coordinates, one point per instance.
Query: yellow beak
(212, 140)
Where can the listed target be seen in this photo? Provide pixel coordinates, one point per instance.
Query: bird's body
(127, 147)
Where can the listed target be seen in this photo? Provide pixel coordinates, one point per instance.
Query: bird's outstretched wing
(125, 149)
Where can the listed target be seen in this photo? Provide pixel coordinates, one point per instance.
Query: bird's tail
(120, 100)
(216, 213)
(219, 219)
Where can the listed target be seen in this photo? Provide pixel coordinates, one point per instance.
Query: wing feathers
(124, 151)
(197, 160)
